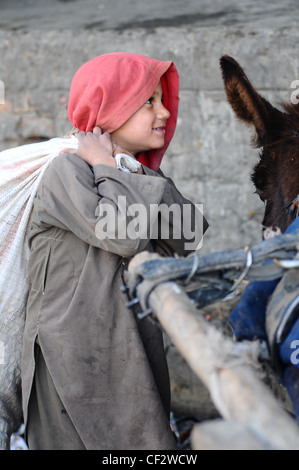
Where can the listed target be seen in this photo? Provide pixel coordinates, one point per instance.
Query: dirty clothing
(49, 426)
(108, 368)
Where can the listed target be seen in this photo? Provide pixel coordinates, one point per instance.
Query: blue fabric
(248, 322)
(291, 381)
(289, 354)
(248, 317)
(289, 348)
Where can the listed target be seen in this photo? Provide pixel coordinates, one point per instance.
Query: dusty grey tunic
(109, 371)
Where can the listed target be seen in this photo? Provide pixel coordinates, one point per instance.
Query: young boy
(93, 375)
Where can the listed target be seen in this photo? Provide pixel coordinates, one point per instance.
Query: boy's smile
(145, 130)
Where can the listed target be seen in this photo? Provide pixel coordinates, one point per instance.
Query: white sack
(21, 170)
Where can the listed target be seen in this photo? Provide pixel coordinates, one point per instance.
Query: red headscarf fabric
(107, 90)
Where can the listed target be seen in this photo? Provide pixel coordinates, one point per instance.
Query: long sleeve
(185, 225)
(98, 207)
(116, 211)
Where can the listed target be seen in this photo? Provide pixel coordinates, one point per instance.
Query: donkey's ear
(248, 105)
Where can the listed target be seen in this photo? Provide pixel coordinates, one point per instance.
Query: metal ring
(194, 268)
(249, 262)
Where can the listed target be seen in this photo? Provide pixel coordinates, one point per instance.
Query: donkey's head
(276, 175)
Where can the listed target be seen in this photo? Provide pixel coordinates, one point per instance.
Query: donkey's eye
(260, 195)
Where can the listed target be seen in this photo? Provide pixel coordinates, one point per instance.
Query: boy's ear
(247, 103)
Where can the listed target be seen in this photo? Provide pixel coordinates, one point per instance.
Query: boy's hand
(97, 148)
(94, 148)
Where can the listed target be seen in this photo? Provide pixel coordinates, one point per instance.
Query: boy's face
(145, 130)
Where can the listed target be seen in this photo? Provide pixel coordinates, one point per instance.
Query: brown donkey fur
(276, 175)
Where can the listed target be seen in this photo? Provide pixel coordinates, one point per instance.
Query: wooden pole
(225, 367)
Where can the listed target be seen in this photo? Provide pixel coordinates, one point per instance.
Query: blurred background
(44, 42)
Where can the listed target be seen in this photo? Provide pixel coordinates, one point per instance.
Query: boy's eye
(153, 98)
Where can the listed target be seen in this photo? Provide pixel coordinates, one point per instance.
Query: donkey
(276, 175)
(276, 179)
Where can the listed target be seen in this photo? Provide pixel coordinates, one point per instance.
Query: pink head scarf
(107, 90)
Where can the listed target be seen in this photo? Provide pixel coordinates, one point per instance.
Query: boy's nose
(163, 113)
